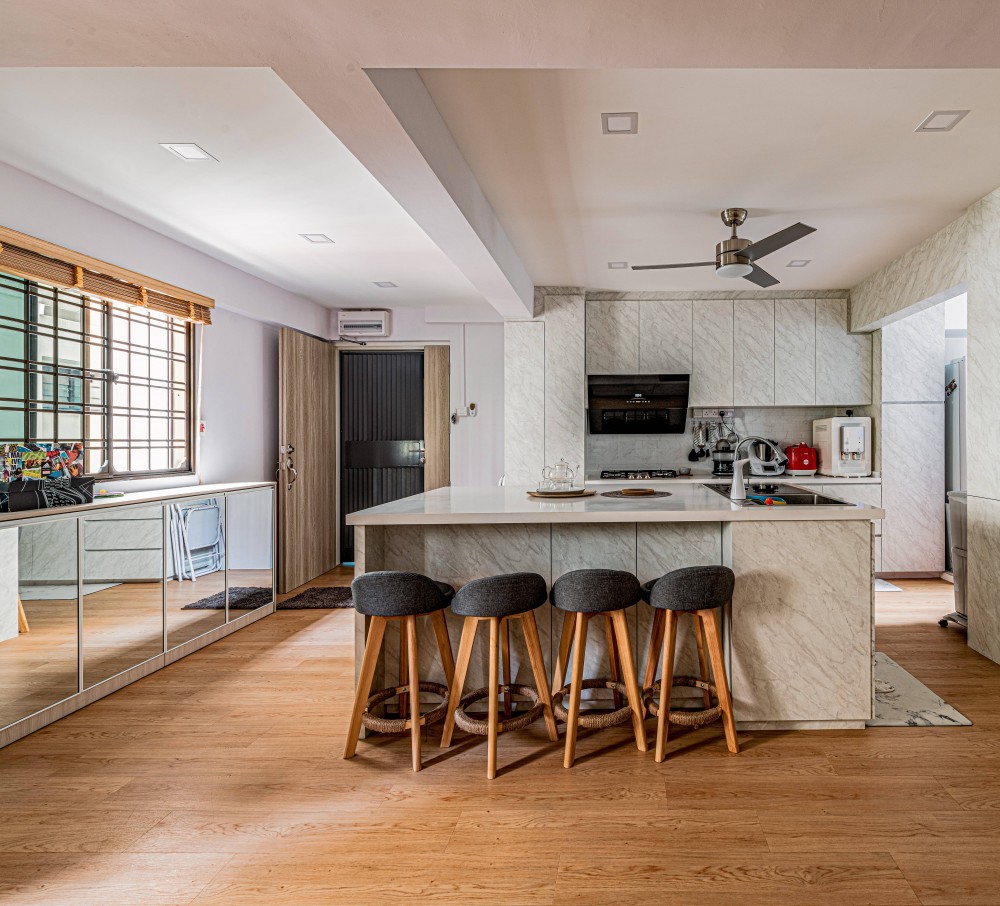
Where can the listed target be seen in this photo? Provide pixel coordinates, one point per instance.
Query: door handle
(423, 456)
(293, 472)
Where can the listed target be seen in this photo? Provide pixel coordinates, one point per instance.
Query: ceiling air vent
(363, 323)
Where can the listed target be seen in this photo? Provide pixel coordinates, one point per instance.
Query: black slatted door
(381, 431)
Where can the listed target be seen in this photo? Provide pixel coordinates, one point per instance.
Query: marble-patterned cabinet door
(712, 367)
(753, 352)
(612, 336)
(524, 401)
(794, 352)
(665, 336)
(843, 360)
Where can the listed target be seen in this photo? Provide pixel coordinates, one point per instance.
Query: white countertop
(100, 503)
(688, 502)
(709, 478)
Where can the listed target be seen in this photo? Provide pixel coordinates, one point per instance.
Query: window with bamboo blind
(95, 354)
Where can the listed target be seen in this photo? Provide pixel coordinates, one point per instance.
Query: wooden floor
(219, 781)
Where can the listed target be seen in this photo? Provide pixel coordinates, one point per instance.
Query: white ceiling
(833, 148)
(280, 172)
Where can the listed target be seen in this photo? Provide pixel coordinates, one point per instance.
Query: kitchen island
(799, 633)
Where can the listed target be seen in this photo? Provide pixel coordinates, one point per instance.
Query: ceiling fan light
(736, 269)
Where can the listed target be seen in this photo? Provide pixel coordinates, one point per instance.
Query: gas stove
(640, 474)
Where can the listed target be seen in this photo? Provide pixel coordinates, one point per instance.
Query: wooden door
(307, 473)
(437, 417)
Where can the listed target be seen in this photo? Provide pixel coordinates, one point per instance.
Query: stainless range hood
(637, 403)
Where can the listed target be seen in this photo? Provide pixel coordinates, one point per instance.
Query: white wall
(477, 376)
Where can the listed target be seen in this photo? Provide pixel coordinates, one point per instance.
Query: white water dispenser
(843, 446)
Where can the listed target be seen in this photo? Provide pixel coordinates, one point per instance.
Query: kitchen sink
(792, 495)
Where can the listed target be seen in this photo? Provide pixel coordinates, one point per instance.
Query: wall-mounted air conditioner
(363, 323)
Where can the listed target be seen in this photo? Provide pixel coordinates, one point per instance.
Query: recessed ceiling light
(187, 151)
(385, 284)
(942, 121)
(620, 123)
(617, 265)
(317, 238)
(799, 262)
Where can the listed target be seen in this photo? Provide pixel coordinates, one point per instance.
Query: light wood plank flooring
(219, 781)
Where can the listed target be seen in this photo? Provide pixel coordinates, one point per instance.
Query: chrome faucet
(738, 490)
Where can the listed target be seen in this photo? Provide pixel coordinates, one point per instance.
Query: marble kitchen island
(799, 634)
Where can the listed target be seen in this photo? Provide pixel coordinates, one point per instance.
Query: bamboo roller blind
(36, 259)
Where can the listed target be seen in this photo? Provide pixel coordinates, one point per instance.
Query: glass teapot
(558, 477)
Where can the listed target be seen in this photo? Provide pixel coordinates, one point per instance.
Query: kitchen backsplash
(646, 451)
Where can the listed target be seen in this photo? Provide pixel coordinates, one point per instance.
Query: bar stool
(583, 594)
(400, 597)
(497, 600)
(699, 591)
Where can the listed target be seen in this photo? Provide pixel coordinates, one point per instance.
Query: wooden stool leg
(613, 659)
(631, 681)
(534, 646)
(440, 626)
(22, 618)
(712, 636)
(573, 711)
(507, 680)
(411, 648)
(655, 644)
(404, 670)
(469, 627)
(373, 646)
(494, 716)
(562, 658)
(666, 684)
(699, 637)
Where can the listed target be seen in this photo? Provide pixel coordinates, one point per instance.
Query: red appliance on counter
(802, 460)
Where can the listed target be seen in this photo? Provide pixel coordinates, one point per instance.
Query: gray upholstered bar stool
(700, 591)
(400, 597)
(583, 594)
(498, 600)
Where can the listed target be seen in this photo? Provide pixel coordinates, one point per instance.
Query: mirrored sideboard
(94, 597)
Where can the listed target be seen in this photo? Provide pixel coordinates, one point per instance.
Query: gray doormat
(242, 598)
(901, 700)
(882, 585)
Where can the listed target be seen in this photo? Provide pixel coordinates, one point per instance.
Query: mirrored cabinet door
(122, 589)
(196, 568)
(250, 550)
(38, 617)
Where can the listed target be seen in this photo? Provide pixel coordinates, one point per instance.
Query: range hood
(637, 403)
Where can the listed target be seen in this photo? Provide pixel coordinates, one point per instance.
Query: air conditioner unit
(363, 323)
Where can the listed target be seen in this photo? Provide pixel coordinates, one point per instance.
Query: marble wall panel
(565, 378)
(665, 336)
(660, 548)
(794, 352)
(712, 371)
(843, 360)
(524, 401)
(984, 576)
(784, 666)
(612, 337)
(913, 487)
(753, 352)
(913, 357)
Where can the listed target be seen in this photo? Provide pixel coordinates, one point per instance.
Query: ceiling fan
(736, 257)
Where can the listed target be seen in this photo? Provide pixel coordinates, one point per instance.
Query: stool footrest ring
(518, 722)
(399, 724)
(651, 698)
(598, 721)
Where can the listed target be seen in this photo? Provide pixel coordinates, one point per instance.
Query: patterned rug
(244, 598)
(901, 700)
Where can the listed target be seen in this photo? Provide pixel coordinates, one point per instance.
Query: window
(116, 377)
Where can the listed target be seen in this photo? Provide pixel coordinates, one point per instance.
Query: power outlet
(726, 414)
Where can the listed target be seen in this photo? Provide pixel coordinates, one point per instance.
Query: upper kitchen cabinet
(612, 337)
(665, 336)
(712, 344)
(843, 360)
(794, 352)
(753, 352)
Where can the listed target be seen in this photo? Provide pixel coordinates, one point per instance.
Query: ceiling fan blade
(659, 267)
(761, 277)
(778, 240)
